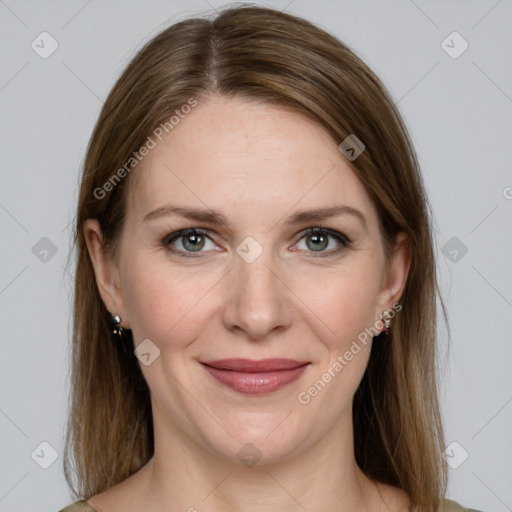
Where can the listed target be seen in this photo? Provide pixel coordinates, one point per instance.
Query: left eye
(318, 240)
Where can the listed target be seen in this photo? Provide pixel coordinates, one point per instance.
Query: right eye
(187, 241)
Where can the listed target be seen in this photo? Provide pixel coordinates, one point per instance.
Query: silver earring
(387, 320)
(387, 316)
(115, 321)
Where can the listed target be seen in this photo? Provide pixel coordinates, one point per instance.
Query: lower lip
(255, 383)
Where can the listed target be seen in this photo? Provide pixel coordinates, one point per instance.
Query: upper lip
(255, 366)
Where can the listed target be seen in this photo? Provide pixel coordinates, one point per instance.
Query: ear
(397, 270)
(105, 271)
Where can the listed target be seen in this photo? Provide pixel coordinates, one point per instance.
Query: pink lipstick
(255, 377)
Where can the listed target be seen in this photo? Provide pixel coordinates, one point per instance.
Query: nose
(258, 299)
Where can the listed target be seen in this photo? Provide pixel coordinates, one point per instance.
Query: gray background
(459, 111)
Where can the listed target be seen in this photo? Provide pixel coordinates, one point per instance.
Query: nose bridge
(257, 301)
(257, 277)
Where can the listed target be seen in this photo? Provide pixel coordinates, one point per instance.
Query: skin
(257, 165)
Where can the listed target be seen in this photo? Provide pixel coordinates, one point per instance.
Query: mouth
(255, 377)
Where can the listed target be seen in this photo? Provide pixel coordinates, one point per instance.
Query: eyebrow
(213, 217)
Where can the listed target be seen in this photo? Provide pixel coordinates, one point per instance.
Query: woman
(255, 301)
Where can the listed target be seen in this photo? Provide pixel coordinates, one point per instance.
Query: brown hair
(269, 56)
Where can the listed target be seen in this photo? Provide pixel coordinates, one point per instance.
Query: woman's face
(251, 284)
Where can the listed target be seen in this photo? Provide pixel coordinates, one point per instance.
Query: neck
(185, 476)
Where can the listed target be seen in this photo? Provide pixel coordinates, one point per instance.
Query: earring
(115, 321)
(387, 316)
(387, 321)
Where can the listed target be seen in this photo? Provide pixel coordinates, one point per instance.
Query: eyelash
(344, 241)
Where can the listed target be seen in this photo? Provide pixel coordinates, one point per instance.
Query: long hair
(276, 58)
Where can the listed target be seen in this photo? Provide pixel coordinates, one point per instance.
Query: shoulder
(78, 506)
(453, 506)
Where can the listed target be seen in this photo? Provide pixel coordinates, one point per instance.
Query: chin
(260, 438)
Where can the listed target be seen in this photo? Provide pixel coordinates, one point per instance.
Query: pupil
(316, 239)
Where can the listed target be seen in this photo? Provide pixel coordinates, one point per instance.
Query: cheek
(163, 302)
(344, 301)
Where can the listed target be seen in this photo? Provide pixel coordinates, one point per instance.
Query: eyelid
(332, 232)
(186, 231)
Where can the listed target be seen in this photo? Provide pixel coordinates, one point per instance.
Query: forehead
(233, 155)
